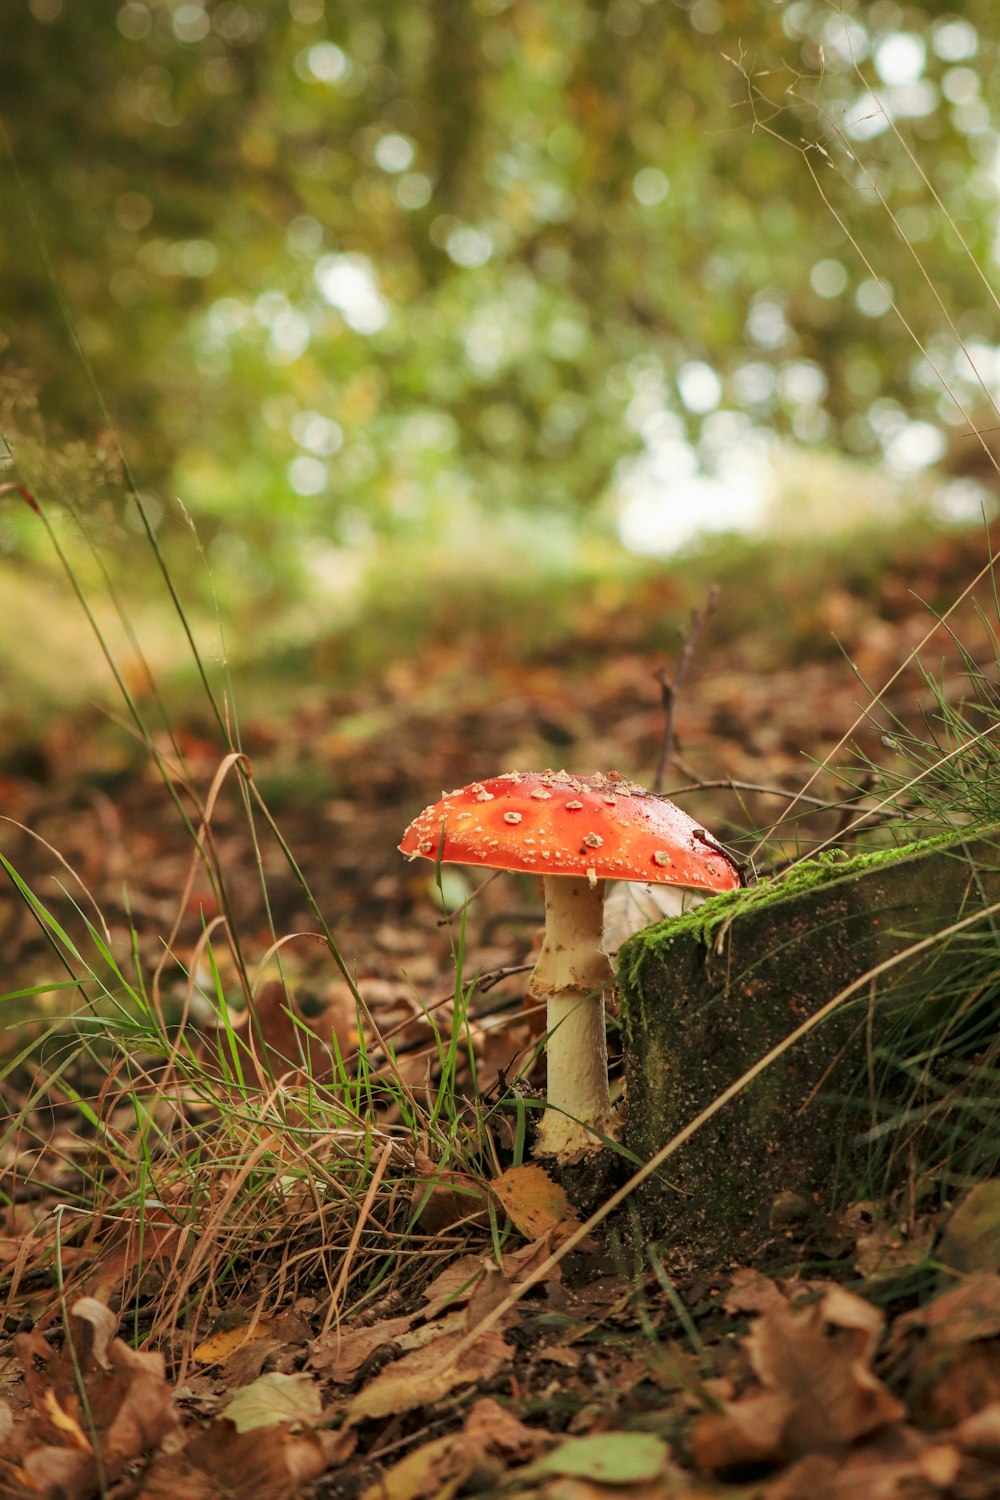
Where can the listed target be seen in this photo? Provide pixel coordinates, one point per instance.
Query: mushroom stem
(571, 975)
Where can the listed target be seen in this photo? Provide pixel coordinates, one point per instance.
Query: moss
(708, 997)
(703, 921)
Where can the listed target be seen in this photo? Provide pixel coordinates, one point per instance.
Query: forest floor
(427, 1338)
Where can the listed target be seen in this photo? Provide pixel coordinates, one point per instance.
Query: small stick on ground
(670, 688)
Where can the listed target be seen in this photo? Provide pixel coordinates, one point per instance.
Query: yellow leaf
(64, 1422)
(438, 1468)
(534, 1203)
(219, 1346)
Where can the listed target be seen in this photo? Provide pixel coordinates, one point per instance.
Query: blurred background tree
(373, 268)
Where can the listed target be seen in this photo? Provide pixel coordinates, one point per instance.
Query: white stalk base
(571, 975)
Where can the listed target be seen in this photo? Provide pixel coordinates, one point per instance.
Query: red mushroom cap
(552, 823)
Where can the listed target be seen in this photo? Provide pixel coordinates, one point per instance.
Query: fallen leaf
(608, 1457)
(439, 1468)
(821, 1355)
(971, 1237)
(219, 1346)
(342, 1352)
(535, 1204)
(882, 1254)
(954, 1370)
(429, 1374)
(443, 1199)
(523, 1261)
(246, 1363)
(283, 1040)
(816, 1389)
(493, 1427)
(980, 1433)
(454, 1285)
(490, 1291)
(750, 1291)
(129, 1406)
(275, 1398)
(949, 1386)
(896, 1463)
(749, 1431)
(966, 1311)
(64, 1422)
(219, 1463)
(481, 1453)
(426, 1333)
(103, 1326)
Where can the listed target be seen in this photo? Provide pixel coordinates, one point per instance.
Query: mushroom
(575, 832)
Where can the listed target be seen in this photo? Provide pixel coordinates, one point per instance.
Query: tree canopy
(346, 268)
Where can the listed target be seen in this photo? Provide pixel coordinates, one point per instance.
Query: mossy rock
(706, 995)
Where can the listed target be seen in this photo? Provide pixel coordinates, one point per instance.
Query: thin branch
(669, 689)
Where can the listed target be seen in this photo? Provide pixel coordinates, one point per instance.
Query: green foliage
(373, 268)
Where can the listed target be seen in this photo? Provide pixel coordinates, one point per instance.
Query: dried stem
(669, 690)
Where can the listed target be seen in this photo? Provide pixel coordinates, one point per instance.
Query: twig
(669, 689)
(726, 783)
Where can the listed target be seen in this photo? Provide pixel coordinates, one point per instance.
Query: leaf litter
(586, 1386)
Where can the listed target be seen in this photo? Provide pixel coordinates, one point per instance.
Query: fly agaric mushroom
(575, 832)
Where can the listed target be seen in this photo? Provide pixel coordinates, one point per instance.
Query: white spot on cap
(661, 857)
(540, 793)
(592, 840)
(512, 817)
(573, 806)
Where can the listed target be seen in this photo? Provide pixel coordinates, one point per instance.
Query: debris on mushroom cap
(603, 826)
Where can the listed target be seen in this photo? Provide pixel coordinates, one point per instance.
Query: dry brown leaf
(750, 1291)
(103, 1324)
(950, 1386)
(822, 1356)
(492, 1426)
(955, 1369)
(439, 1468)
(971, 1237)
(454, 1285)
(427, 1375)
(816, 1362)
(980, 1433)
(491, 1440)
(246, 1363)
(341, 1352)
(219, 1463)
(64, 1447)
(426, 1333)
(570, 1359)
(526, 1259)
(882, 1253)
(897, 1463)
(967, 1311)
(445, 1198)
(490, 1291)
(750, 1431)
(535, 1205)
